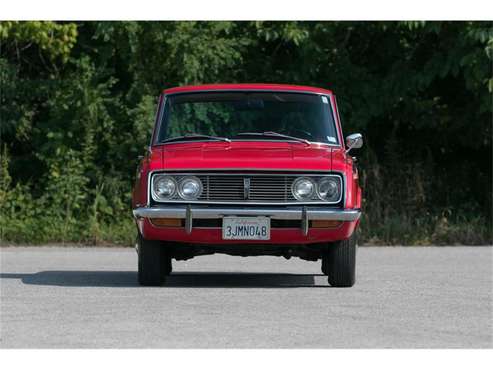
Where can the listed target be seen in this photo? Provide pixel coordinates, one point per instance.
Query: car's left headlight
(189, 188)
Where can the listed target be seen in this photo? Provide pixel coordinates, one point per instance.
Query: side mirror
(354, 141)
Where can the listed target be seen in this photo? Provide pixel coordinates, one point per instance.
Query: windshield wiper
(195, 137)
(273, 134)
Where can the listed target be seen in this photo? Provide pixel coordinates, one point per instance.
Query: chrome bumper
(304, 214)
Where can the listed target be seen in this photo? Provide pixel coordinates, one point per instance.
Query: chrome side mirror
(354, 141)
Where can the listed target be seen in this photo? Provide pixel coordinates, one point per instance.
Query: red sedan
(248, 170)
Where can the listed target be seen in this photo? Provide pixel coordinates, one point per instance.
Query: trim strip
(246, 140)
(250, 90)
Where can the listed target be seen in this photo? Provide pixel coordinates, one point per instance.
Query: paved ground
(88, 297)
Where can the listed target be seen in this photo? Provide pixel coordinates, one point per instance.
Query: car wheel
(341, 262)
(154, 263)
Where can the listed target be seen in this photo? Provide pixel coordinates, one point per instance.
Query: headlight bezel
(177, 194)
(316, 196)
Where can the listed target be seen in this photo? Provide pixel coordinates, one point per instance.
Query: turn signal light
(326, 224)
(166, 222)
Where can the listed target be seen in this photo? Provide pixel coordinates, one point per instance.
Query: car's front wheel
(325, 271)
(154, 262)
(339, 262)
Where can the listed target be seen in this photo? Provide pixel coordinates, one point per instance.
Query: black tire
(166, 260)
(325, 271)
(154, 263)
(341, 262)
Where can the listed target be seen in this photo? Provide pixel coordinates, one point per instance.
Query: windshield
(248, 116)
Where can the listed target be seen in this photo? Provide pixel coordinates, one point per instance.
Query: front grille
(232, 188)
(250, 188)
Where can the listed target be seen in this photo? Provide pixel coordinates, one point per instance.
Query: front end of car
(204, 207)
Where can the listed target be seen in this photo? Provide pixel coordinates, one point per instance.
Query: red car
(248, 170)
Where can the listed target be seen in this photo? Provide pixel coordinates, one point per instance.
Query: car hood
(245, 155)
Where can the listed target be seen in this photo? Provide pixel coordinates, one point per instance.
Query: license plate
(246, 228)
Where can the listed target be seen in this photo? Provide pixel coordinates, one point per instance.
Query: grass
(46, 230)
(431, 230)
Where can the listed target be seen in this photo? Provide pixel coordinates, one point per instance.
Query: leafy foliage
(77, 103)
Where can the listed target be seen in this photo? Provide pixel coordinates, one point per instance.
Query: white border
(247, 359)
(245, 10)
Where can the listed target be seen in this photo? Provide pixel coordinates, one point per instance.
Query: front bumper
(301, 213)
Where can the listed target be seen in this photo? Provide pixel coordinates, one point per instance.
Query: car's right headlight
(163, 187)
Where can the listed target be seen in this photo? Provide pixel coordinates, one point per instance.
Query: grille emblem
(246, 188)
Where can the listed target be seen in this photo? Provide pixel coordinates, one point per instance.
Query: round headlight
(303, 188)
(190, 188)
(164, 187)
(328, 189)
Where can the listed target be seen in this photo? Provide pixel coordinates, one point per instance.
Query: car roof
(243, 87)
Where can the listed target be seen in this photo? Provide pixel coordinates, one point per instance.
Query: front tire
(325, 270)
(340, 262)
(154, 263)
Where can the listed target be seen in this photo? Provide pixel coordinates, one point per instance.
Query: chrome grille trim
(273, 188)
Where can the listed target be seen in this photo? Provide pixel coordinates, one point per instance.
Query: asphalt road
(56, 297)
